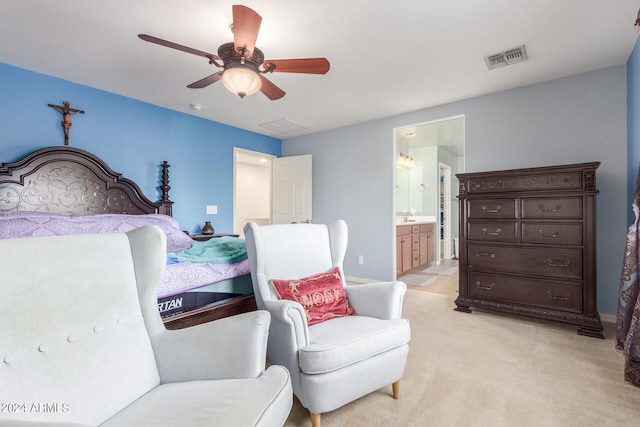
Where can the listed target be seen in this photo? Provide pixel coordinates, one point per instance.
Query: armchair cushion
(344, 341)
(232, 402)
(321, 295)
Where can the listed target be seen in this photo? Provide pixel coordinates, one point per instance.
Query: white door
(291, 201)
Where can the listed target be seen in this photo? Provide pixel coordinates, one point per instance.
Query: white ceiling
(387, 56)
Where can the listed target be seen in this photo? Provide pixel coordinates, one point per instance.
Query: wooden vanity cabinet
(404, 251)
(414, 247)
(527, 243)
(427, 246)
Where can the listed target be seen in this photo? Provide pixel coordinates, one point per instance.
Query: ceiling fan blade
(270, 90)
(206, 81)
(246, 24)
(173, 45)
(306, 65)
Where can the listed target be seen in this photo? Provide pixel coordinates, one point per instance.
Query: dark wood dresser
(527, 243)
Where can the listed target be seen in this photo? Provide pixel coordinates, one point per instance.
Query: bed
(66, 190)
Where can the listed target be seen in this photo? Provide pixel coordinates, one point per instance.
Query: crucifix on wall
(67, 112)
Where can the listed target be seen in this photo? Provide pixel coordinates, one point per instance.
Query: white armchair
(82, 343)
(339, 360)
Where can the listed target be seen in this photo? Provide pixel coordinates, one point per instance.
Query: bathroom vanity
(415, 245)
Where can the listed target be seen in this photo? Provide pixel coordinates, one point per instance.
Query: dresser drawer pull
(556, 209)
(552, 263)
(566, 296)
(491, 233)
(488, 287)
(487, 210)
(553, 236)
(489, 254)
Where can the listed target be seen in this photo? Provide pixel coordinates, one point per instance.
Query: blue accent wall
(633, 125)
(133, 138)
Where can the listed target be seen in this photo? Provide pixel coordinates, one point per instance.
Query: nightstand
(205, 237)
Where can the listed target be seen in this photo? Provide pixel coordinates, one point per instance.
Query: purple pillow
(32, 224)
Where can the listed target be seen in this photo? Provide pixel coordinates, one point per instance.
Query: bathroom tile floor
(440, 283)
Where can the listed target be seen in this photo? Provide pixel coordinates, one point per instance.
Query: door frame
(243, 152)
(445, 170)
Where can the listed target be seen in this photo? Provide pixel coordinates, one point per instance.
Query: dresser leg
(594, 333)
(463, 308)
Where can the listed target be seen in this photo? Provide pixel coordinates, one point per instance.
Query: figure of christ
(67, 112)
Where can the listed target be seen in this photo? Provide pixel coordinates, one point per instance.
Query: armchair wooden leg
(396, 389)
(315, 419)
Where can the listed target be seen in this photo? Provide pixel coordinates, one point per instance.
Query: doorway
(251, 188)
(429, 187)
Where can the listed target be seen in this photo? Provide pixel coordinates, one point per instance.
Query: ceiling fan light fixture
(241, 80)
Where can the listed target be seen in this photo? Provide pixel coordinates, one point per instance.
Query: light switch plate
(212, 209)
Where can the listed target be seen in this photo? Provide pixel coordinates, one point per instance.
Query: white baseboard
(609, 318)
(353, 279)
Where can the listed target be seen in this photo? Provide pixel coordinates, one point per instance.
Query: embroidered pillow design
(321, 295)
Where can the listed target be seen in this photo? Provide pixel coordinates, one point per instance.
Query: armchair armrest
(382, 300)
(289, 315)
(233, 347)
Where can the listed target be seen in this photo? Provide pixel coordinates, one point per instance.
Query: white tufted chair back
(64, 301)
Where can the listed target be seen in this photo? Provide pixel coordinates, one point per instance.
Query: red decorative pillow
(321, 295)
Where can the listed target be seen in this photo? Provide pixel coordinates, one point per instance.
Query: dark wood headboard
(71, 180)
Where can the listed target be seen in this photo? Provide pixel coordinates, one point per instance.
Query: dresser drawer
(539, 293)
(552, 262)
(552, 233)
(495, 231)
(415, 260)
(568, 207)
(492, 208)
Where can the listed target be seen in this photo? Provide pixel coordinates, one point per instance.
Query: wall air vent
(508, 57)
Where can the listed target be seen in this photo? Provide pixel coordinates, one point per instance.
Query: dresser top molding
(579, 177)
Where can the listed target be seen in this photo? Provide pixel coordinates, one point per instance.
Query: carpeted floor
(489, 369)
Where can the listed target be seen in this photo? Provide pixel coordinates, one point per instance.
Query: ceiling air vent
(283, 126)
(508, 57)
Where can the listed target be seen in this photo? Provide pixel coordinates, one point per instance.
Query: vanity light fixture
(405, 161)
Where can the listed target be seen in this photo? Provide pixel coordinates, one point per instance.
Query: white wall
(570, 120)
(253, 193)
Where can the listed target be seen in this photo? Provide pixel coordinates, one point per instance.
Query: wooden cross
(67, 112)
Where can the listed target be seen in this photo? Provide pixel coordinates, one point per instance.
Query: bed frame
(70, 180)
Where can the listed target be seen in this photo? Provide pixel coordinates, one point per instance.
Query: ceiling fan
(243, 64)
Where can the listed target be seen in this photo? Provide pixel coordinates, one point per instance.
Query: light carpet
(491, 369)
(417, 279)
(441, 269)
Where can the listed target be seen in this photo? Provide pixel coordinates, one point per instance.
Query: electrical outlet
(360, 259)
(212, 209)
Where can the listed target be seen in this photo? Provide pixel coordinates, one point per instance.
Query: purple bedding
(177, 278)
(36, 223)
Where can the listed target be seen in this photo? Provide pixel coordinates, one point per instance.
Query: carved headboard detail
(71, 180)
